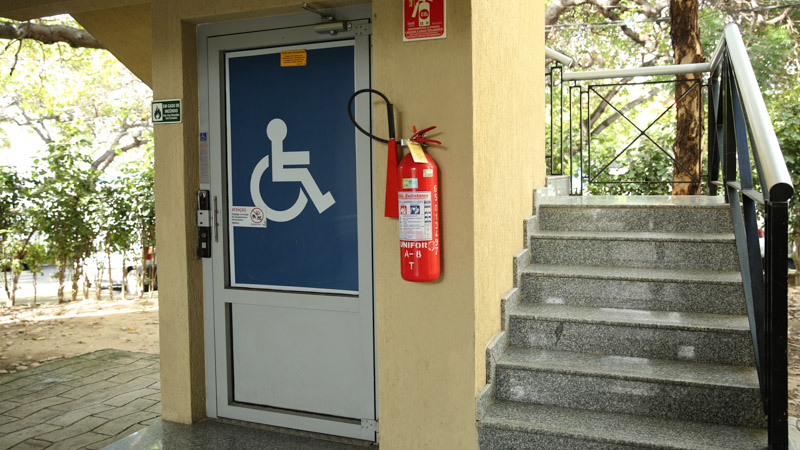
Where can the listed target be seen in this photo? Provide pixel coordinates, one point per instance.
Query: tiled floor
(113, 398)
(88, 401)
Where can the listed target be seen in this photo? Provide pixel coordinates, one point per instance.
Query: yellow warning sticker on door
(293, 58)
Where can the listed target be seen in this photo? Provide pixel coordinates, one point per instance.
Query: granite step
(704, 251)
(664, 218)
(526, 426)
(709, 338)
(689, 290)
(712, 393)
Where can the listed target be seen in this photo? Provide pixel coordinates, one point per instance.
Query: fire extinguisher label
(410, 183)
(416, 223)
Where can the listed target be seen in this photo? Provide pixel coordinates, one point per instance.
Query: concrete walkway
(87, 401)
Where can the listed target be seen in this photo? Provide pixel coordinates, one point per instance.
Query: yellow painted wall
(425, 331)
(127, 33)
(177, 179)
(431, 337)
(33, 9)
(508, 138)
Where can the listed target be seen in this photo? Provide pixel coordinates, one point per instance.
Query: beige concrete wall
(508, 139)
(430, 336)
(425, 331)
(180, 273)
(127, 33)
(33, 9)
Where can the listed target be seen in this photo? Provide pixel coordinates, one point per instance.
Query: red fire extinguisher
(418, 202)
(412, 194)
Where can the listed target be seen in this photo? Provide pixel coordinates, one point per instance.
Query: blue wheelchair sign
(291, 160)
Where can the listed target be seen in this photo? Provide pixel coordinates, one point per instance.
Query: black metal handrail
(740, 128)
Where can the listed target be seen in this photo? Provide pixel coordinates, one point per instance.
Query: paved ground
(88, 401)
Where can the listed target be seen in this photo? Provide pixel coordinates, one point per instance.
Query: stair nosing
(634, 236)
(547, 205)
(622, 322)
(598, 434)
(592, 370)
(625, 273)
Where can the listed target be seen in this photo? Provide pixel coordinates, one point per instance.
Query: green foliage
(86, 109)
(67, 205)
(59, 92)
(13, 191)
(774, 48)
(785, 114)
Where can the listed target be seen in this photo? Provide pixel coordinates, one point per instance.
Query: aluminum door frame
(277, 31)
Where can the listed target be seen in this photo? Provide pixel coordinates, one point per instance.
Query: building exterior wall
(425, 331)
(126, 32)
(508, 140)
(430, 336)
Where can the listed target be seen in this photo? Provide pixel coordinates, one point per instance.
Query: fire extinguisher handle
(389, 114)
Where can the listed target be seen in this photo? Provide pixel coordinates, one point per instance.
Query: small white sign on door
(248, 216)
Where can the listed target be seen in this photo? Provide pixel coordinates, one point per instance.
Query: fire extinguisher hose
(389, 114)
(392, 186)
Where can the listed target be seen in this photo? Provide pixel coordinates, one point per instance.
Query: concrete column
(176, 172)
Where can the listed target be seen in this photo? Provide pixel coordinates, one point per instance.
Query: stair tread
(634, 274)
(616, 428)
(634, 317)
(635, 236)
(631, 368)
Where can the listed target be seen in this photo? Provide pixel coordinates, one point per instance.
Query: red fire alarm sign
(424, 19)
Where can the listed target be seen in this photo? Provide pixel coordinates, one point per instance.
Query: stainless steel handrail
(560, 57)
(777, 181)
(676, 69)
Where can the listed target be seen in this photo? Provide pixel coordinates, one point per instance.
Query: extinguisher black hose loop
(389, 114)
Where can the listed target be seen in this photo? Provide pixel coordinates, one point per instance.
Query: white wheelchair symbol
(276, 132)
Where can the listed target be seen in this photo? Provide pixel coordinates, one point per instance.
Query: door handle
(216, 220)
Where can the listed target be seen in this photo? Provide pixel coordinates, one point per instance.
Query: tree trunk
(686, 44)
(5, 281)
(124, 278)
(35, 281)
(76, 276)
(62, 268)
(797, 261)
(110, 282)
(98, 281)
(153, 271)
(86, 286)
(144, 269)
(14, 287)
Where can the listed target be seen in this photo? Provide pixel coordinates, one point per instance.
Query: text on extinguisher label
(416, 223)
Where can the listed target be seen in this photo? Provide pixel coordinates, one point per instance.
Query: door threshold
(301, 433)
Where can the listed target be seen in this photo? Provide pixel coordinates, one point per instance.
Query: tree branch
(48, 34)
(104, 160)
(610, 119)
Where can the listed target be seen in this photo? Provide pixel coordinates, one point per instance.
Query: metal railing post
(776, 225)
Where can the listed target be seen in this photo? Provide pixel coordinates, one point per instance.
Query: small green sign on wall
(166, 111)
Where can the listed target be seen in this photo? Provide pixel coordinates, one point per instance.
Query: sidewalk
(87, 401)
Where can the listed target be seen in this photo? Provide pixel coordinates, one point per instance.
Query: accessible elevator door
(292, 255)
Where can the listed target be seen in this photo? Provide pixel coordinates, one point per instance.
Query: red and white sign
(247, 216)
(424, 19)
